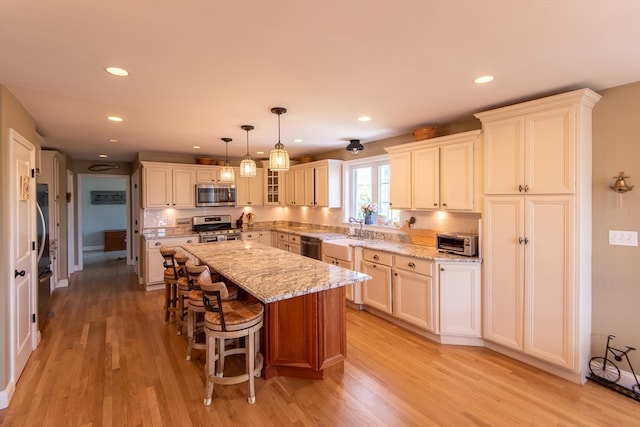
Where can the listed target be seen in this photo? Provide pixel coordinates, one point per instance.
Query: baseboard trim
(64, 283)
(6, 395)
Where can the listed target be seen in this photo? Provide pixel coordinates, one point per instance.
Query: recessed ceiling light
(117, 71)
(113, 140)
(103, 156)
(196, 147)
(115, 118)
(364, 118)
(297, 140)
(259, 152)
(483, 79)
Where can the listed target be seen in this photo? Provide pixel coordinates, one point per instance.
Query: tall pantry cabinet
(537, 231)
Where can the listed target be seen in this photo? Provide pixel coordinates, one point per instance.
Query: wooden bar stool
(225, 320)
(195, 311)
(183, 288)
(171, 276)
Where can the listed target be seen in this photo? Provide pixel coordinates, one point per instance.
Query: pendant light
(279, 158)
(226, 173)
(354, 146)
(247, 165)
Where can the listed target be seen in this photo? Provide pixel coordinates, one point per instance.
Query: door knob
(19, 273)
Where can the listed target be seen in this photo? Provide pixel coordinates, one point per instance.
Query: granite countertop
(271, 274)
(160, 233)
(408, 249)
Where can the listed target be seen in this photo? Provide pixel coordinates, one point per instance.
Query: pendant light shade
(226, 173)
(247, 165)
(279, 158)
(354, 146)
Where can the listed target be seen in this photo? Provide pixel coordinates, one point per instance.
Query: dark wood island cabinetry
(304, 331)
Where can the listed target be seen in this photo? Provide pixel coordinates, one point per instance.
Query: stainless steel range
(215, 228)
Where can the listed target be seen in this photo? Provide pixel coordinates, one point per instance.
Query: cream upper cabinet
(249, 191)
(457, 176)
(168, 186)
(274, 186)
(207, 174)
(400, 185)
(531, 153)
(438, 173)
(328, 183)
(425, 165)
(315, 184)
(536, 267)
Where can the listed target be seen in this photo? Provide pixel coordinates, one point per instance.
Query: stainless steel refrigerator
(44, 260)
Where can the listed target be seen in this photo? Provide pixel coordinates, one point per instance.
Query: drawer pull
(412, 265)
(376, 257)
(158, 244)
(189, 241)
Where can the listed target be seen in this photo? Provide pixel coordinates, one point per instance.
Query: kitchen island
(304, 330)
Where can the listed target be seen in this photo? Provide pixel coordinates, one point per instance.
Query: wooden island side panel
(306, 335)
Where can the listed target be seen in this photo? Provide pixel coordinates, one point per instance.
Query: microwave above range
(458, 244)
(208, 195)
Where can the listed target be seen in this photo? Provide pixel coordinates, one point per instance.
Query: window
(368, 182)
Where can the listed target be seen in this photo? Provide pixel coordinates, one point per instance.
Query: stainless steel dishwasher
(311, 247)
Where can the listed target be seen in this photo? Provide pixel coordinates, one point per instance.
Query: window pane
(384, 207)
(363, 186)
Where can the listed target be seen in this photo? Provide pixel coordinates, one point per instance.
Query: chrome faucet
(357, 221)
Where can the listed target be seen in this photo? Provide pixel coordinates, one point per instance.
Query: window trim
(347, 171)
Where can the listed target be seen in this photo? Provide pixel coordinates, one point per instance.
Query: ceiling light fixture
(117, 71)
(115, 118)
(226, 173)
(103, 156)
(247, 165)
(483, 79)
(196, 147)
(364, 119)
(354, 146)
(279, 158)
(113, 140)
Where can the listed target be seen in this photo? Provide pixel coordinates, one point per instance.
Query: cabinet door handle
(526, 240)
(158, 244)
(20, 273)
(435, 204)
(526, 188)
(444, 204)
(376, 257)
(395, 274)
(520, 240)
(375, 266)
(412, 265)
(441, 268)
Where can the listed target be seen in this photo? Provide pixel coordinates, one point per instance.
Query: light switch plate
(623, 238)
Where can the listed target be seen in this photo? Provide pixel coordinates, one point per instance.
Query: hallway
(107, 359)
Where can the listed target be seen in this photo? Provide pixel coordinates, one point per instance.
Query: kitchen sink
(338, 248)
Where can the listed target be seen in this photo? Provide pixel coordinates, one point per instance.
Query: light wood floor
(106, 359)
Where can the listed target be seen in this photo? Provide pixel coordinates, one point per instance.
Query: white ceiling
(202, 68)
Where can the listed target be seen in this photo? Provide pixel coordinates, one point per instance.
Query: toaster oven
(458, 244)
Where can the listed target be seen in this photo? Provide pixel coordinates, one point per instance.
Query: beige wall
(12, 116)
(616, 283)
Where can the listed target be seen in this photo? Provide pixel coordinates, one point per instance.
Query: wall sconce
(620, 186)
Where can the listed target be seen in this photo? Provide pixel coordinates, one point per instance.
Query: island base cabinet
(305, 337)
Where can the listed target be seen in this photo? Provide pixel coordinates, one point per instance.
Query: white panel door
(456, 176)
(504, 270)
(400, 166)
(23, 275)
(549, 327)
(425, 167)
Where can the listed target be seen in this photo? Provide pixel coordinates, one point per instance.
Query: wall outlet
(623, 238)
